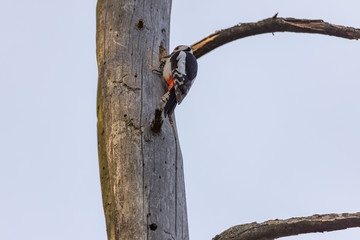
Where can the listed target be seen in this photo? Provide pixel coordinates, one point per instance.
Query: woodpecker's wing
(184, 70)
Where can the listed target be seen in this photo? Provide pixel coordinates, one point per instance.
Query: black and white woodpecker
(180, 69)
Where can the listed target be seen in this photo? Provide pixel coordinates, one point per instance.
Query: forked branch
(271, 25)
(281, 228)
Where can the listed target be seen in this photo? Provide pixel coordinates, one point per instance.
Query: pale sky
(270, 129)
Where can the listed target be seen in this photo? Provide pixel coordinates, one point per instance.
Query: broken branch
(281, 228)
(271, 25)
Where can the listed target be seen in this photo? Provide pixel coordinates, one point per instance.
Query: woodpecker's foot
(157, 71)
(163, 59)
(160, 70)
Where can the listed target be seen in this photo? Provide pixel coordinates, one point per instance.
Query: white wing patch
(180, 70)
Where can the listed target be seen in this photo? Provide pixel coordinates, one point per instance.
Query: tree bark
(271, 25)
(141, 171)
(274, 229)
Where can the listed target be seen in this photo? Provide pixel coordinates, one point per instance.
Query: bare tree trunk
(141, 172)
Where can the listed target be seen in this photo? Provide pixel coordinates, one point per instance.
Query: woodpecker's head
(182, 48)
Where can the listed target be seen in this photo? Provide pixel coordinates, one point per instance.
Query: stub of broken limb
(157, 121)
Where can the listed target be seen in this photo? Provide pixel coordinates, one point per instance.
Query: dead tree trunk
(141, 172)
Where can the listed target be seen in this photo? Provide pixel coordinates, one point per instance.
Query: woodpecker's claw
(157, 71)
(160, 70)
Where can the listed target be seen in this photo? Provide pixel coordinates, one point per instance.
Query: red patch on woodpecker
(170, 82)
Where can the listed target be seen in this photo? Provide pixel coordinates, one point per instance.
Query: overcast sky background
(269, 130)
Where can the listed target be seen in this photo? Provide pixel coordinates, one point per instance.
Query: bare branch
(281, 228)
(271, 25)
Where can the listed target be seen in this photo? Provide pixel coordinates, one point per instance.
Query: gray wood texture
(274, 229)
(271, 25)
(141, 171)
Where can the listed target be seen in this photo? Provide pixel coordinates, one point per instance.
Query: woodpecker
(180, 69)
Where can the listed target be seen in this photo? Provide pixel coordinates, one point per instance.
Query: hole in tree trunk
(153, 227)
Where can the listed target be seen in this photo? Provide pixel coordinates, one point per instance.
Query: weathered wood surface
(274, 229)
(141, 172)
(271, 25)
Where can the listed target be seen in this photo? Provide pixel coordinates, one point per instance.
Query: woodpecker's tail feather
(169, 102)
